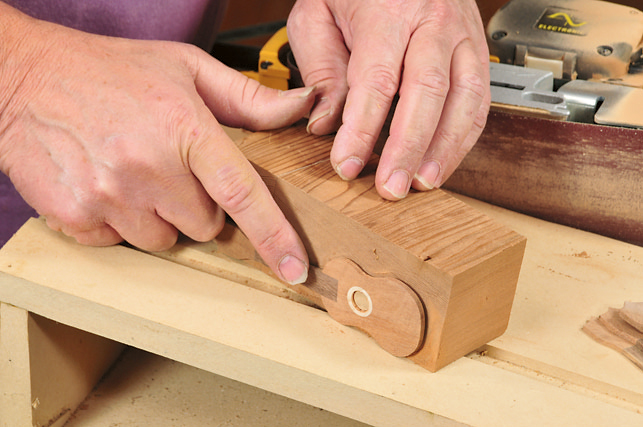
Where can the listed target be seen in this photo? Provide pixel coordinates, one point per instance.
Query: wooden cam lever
(462, 266)
(383, 307)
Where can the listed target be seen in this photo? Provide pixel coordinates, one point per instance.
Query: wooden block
(462, 265)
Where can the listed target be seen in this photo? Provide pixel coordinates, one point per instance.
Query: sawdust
(581, 255)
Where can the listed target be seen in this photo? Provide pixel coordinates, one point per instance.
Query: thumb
(238, 101)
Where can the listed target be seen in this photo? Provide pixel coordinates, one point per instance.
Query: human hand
(113, 139)
(359, 54)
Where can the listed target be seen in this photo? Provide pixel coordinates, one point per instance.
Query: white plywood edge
(15, 385)
(269, 342)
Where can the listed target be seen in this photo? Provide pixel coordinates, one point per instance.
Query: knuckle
(362, 140)
(481, 117)
(412, 147)
(183, 125)
(208, 232)
(472, 83)
(382, 80)
(101, 236)
(272, 240)
(450, 137)
(442, 12)
(75, 219)
(433, 81)
(325, 74)
(250, 92)
(160, 241)
(296, 20)
(190, 54)
(188, 48)
(235, 190)
(249, 100)
(92, 192)
(111, 189)
(210, 229)
(182, 116)
(464, 149)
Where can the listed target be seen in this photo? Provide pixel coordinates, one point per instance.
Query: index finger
(373, 76)
(234, 184)
(322, 57)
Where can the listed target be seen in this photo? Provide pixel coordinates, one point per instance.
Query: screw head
(498, 35)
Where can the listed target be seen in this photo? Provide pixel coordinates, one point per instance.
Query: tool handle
(385, 308)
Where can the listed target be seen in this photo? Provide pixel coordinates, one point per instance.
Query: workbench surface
(542, 371)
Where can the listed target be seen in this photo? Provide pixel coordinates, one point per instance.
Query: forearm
(12, 30)
(22, 41)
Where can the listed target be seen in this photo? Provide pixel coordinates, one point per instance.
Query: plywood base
(543, 371)
(46, 368)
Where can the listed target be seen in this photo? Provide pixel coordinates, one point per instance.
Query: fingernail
(293, 270)
(398, 184)
(349, 168)
(428, 174)
(315, 117)
(302, 92)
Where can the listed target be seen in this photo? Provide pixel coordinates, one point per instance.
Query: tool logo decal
(560, 21)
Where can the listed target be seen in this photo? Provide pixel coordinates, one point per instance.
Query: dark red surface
(581, 175)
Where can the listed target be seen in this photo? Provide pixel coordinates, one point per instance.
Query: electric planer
(574, 60)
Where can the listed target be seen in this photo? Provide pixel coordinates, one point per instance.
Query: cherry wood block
(462, 264)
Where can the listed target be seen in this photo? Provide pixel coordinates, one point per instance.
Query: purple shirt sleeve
(180, 20)
(13, 210)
